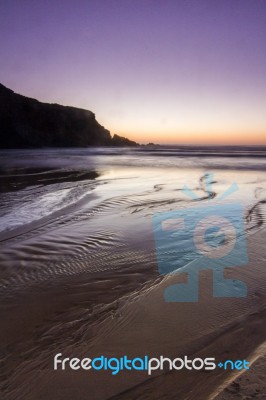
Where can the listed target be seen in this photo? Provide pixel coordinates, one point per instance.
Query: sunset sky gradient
(183, 71)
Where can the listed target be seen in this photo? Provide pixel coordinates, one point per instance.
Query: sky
(162, 71)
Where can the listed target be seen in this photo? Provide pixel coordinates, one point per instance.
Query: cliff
(28, 123)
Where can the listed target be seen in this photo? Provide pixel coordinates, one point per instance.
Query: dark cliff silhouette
(28, 123)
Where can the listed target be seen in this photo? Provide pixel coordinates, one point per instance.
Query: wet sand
(83, 280)
(250, 384)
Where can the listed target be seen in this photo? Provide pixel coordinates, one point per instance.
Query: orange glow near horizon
(199, 138)
(189, 119)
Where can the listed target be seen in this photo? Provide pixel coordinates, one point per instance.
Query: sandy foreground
(86, 284)
(144, 324)
(249, 385)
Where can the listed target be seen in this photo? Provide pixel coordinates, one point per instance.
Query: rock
(122, 141)
(28, 123)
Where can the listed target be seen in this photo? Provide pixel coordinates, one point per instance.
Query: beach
(80, 271)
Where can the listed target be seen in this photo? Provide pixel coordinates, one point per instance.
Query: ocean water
(79, 255)
(36, 183)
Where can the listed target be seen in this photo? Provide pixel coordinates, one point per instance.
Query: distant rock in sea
(28, 123)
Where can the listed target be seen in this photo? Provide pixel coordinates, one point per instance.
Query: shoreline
(84, 281)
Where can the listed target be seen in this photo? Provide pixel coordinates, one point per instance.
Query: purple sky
(165, 71)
